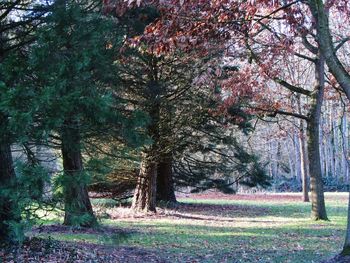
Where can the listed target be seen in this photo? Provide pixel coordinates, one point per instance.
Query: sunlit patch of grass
(231, 231)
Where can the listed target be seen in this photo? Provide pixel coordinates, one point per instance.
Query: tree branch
(341, 43)
(292, 87)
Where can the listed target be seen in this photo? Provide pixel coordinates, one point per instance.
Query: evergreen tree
(16, 33)
(164, 87)
(74, 74)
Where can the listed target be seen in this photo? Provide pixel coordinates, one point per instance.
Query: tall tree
(18, 21)
(320, 13)
(72, 62)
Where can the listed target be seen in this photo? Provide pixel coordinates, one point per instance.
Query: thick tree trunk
(78, 209)
(165, 182)
(313, 133)
(145, 194)
(144, 199)
(9, 212)
(8, 208)
(316, 183)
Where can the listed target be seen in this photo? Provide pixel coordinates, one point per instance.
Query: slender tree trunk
(303, 163)
(322, 149)
(297, 155)
(336, 155)
(270, 156)
(78, 209)
(165, 182)
(344, 142)
(290, 160)
(313, 126)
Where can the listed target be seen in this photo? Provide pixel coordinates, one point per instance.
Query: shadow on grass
(215, 244)
(292, 210)
(258, 244)
(220, 232)
(105, 235)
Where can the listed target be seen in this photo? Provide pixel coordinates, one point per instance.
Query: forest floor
(201, 228)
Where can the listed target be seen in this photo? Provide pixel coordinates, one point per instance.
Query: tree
(324, 39)
(231, 29)
(313, 115)
(16, 32)
(72, 63)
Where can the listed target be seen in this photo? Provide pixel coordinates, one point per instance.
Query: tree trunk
(290, 159)
(313, 126)
(296, 144)
(303, 156)
(145, 194)
(303, 163)
(325, 42)
(78, 209)
(165, 182)
(9, 212)
(146, 189)
(344, 140)
(346, 247)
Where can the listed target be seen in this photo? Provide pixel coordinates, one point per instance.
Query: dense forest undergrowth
(200, 228)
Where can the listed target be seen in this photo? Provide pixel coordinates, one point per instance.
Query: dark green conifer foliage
(16, 33)
(72, 61)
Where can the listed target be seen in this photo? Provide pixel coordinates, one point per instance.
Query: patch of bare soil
(39, 250)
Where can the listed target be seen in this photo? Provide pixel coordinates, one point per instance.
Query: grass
(221, 230)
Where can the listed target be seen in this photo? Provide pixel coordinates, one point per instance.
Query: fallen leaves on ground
(39, 250)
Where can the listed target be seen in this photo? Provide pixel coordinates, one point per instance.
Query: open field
(202, 228)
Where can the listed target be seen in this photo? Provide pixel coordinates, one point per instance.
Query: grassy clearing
(224, 230)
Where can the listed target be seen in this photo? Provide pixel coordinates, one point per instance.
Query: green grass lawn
(224, 230)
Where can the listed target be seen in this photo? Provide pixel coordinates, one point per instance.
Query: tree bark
(145, 194)
(325, 43)
(313, 126)
(9, 212)
(78, 209)
(165, 182)
(297, 155)
(346, 247)
(303, 163)
(144, 199)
